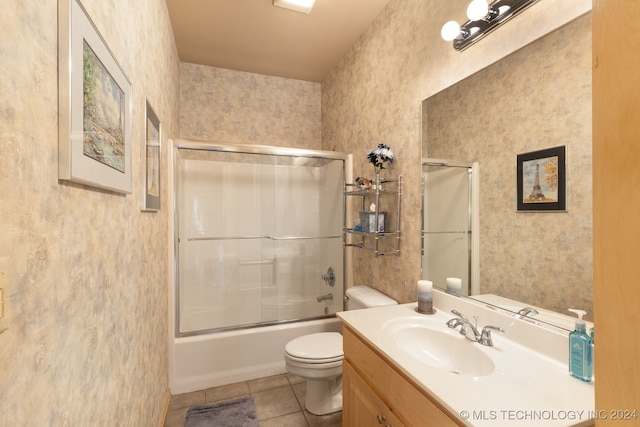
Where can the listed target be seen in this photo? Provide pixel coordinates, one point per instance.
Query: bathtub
(271, 308)
(210, 360)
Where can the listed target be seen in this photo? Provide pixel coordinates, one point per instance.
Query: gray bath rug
(240, 412)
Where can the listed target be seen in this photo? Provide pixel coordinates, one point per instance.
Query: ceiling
(257, 37)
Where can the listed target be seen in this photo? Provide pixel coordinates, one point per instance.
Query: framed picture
(541, 180)
(151, 154)
(94, 139)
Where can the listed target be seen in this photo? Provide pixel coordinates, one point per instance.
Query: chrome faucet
(470, 331)
(467, 329)
(328, 296)
(330, 277)
(526, 311)
(485, 336)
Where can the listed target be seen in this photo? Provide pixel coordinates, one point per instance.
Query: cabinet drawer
(362, 407)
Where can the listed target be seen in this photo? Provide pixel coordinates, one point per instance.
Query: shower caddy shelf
(382, 191)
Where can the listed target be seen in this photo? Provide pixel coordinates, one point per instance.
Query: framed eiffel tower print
(542, 180)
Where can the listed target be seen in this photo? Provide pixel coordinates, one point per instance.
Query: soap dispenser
(580, 350)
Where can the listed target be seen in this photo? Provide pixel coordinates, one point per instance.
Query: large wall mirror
(536, 98)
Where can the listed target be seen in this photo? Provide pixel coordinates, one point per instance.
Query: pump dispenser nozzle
(580, 324)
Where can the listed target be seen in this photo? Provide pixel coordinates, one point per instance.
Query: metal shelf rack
(380, 242)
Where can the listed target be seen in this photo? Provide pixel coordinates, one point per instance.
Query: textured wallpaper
(84, 337)
(245, 108)
(369, 99)
(536, 98)
(375, 93)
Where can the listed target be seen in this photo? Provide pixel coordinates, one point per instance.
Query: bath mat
(240, 412)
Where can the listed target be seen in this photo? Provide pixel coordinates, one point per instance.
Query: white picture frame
(95, 106)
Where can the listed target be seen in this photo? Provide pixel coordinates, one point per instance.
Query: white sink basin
(438, 346)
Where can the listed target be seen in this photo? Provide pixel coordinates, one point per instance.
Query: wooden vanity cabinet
(376, 393)
(364, 407)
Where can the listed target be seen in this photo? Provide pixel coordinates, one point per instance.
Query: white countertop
(529, 385)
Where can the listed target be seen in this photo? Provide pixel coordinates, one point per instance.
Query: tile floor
(279, 402)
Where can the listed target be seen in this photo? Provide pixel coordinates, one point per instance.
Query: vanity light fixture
(484, 17)
(303, 6)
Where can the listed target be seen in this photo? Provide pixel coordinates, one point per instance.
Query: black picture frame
(542, 180)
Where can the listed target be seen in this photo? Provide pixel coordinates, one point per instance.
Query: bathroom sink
(431, 342)
(524, 372)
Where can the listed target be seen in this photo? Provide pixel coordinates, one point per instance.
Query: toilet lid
(323, 346)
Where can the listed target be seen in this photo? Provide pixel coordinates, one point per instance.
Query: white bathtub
(210, 360)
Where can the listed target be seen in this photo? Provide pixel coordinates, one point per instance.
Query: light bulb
(477, 10)
(450, 30)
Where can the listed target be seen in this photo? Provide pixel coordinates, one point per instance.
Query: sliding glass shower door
(257, 235)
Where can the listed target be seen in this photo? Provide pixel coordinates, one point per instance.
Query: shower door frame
(256, 149)
(474, 217)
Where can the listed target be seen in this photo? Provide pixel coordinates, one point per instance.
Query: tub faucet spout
(328, 296)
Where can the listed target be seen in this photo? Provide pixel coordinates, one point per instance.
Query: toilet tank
(365, 297)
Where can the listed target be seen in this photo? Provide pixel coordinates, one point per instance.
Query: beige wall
(536, 98)
(84, 337)
(374, 95)
(245, 108)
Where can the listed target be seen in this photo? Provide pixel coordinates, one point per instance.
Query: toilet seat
(314, 361)
(318, 348)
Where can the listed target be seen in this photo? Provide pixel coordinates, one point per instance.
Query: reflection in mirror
(536, 98)
(449, 216)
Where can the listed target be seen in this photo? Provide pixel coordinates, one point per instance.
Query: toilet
(318, 357)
